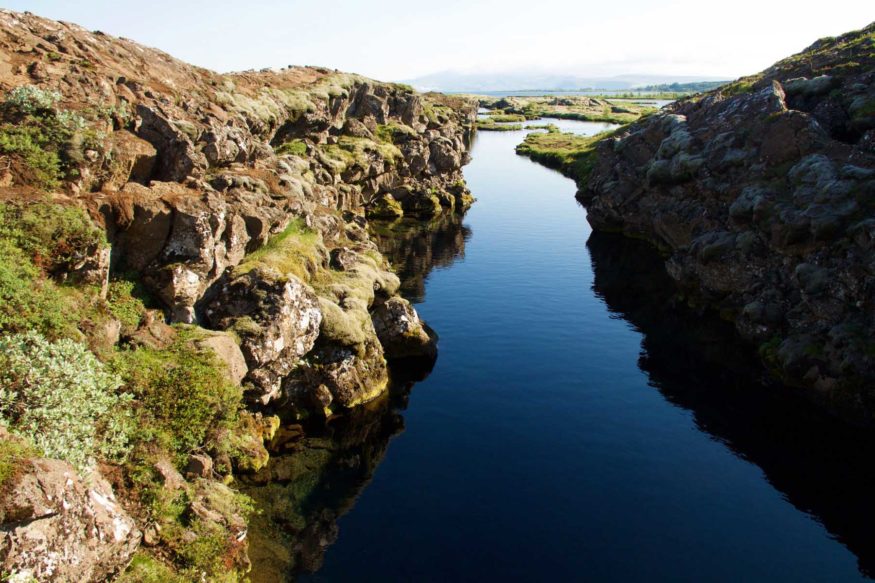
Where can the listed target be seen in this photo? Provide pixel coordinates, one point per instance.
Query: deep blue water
(561, 437)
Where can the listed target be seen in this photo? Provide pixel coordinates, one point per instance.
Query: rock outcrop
(233, 213)
(58, 526)
(762, 195)
(193, 173)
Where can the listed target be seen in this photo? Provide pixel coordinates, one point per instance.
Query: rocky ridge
(762, 196)
(239, 202)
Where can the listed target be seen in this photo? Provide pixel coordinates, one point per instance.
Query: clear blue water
(570, 429)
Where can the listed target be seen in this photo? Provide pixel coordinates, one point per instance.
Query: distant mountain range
(474, 82)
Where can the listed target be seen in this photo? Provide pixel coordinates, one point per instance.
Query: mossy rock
(386, 207)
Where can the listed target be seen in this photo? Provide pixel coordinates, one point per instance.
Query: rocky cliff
(232, 213)
(762, 196)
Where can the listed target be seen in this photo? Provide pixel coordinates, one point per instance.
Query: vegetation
(501, 117)
(38, 240)
(577, 107)
(12, 453)
(181, 393)
(571, 154)
(60, 397)
(294, 147)
(297, 250)
(43, 142)
(490, 126)
(682, 88)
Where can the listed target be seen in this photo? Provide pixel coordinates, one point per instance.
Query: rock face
(762, 193)
(57, 526)
(193, 173)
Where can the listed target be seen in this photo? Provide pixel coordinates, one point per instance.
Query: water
(578, 425)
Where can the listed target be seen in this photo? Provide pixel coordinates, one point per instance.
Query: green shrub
(127, 301)
(48, 140)
(27, 301)
(58, 395)
(182, 394)
(54, 236)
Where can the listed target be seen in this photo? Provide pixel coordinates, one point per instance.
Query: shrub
(181, 391)
(27, 301)
(53, 235)
(48, 140)
(58, 395)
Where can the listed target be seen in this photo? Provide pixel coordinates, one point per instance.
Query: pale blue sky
(398, 39)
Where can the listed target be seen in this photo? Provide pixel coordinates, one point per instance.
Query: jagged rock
(57, 526)
(386, 207)
(400, 330)
(351, 375)
(153, 332)
(760, 192)
(133, 160)
(277, 319)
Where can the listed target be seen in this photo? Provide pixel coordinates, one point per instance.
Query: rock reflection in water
(317, 471)
(415, 247)
(313, 478)
(822, 467)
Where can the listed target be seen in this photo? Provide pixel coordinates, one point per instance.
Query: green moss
(53, 235)
(506, 118)
(294, 147)
(572, 154)
(127, 300)
(297, 250)
(490, 126)
(145, 568)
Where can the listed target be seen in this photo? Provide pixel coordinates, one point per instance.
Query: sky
(396, 40)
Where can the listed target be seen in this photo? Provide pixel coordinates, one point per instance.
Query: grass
(499, 117)
(571, 154)
(297, 250)
(491, 126)
(181, 393)
(13, 451)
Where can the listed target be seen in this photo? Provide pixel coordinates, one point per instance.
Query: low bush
(60, 397)
(181, 393)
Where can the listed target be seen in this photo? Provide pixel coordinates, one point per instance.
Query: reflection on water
(822, 466)
(415, 248)
(317, 470)
(581, 423)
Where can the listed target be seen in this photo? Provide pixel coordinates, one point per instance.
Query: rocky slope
(236, 207)
(762, 196)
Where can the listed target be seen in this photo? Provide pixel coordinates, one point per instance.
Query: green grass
(491, 126)
(498, 117)
(13, 451)
(297, 250)
(571, 154)
(181, 392)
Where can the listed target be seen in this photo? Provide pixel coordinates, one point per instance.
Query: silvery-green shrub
(60, 397)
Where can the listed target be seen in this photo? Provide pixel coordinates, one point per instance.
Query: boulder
(400, 330)
(58, 526)
(277, 318)
(228, 352)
